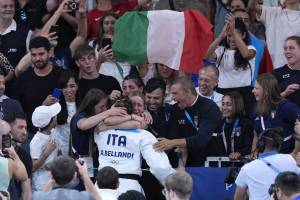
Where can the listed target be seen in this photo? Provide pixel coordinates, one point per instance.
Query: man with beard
(154, 97)
(18, 124)
(192, 121)
(35, 86)
(155, 90)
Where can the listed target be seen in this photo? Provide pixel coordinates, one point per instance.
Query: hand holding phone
(54, 28)
(6, 143)
(106, 42)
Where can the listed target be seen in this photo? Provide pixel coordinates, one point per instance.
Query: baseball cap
(42, 115)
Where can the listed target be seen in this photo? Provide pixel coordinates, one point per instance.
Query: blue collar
(267, 154)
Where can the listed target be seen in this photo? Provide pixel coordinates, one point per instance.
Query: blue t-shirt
(80, 138)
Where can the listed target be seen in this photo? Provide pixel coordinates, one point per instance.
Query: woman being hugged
(235, 59)
(272, 110)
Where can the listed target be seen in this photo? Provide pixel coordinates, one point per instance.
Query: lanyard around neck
(268, 154)
(233, 133)
(195, 125)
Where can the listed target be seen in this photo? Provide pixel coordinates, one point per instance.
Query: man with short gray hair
(178, 186)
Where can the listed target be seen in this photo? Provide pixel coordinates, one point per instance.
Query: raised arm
(16, 167)
(242, 47)
(81, 28)
(90, 122)
(210, 54)
(38, 163)
(88, 184)
(52, 21)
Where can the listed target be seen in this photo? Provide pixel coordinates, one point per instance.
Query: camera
(73, 5)
(232, 175)
(272, 190)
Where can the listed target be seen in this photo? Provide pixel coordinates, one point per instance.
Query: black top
(286, 76)
(159, 125)
(13, 45)
(31, 90)
(105, 83)
(206, 116)
(80, 138)
(66, 33)
(31, 14)
(242, 139)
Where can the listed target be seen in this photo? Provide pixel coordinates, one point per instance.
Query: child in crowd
(43, 146)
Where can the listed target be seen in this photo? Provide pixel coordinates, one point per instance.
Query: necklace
(293, 20)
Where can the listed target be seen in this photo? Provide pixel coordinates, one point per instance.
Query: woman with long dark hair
(272, 110)
(68, 82)
(236, 131)
(91, 112)
(168, 75)
(107, 65)
(235, 59)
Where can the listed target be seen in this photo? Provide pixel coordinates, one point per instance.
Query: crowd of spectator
(75, 123)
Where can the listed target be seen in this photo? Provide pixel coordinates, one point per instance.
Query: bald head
(208, 79)
(4, 127)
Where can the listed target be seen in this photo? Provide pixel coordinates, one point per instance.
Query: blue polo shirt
(80, 138)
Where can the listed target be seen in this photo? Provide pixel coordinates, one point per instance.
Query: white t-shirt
(37, 145)
(230, 77)
(150, 73)
(111, 69)
(280, 24)
(123, 150)
(108, 194)
(216, 97)
(63, 131)
(257, 176)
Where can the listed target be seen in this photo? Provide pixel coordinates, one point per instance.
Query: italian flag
(176, 39)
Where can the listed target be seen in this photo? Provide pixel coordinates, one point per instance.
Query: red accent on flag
(198, 37)
(266, 65)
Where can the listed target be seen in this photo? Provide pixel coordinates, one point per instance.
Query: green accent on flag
(131, 38)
